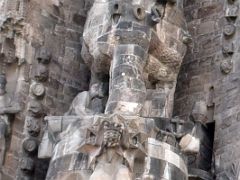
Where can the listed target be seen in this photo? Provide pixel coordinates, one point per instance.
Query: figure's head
(98, 90)
(3, 83)
(199, 112)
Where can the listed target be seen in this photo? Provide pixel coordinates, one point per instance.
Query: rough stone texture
(40, 52)
(123, 42)
(40, 42)
(210, 73)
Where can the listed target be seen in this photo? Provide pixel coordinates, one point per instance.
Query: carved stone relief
(37, 89)
(229, 29)
(30, 145)
(226, 66)
(35, 115)
(142, 71)
(7, 108)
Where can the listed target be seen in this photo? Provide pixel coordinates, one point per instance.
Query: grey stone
(37, 89)
(136, 48)
(27, 164)
(7, 108)
(30, 145)
(229, 29)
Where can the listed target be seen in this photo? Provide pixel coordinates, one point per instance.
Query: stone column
(127, 87)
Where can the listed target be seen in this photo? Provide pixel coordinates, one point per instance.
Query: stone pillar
(127, 86)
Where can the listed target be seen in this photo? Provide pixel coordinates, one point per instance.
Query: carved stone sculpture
(41, 73)
(82, 103)
(199, 112)
(129, 44)
(7, 108)
(37, 89)
(27, 164)
(113, 142)
(96, 80)
(30, 145)
(125, 41)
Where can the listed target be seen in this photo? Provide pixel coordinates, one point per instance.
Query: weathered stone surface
(118, 53)
(30, 145)
(229, 29)
(119, 57)
(215, 76)
(26, 164)
(37, 89)
(7, 109)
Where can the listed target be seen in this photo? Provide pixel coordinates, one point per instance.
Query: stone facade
(40, 54)
(52, 50)
(210, 73)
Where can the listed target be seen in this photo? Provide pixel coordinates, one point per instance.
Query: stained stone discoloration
(126, 42)
(7, 108)
(210, 73)
(85, 62)
(132, 46)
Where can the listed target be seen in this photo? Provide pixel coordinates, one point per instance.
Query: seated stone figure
(80, 108)
(82, 103)
(131, 42)
(7, 108)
